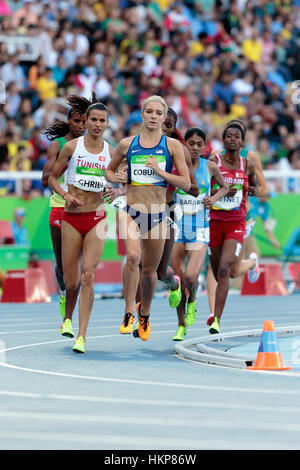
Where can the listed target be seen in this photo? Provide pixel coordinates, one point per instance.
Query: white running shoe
(254, 273)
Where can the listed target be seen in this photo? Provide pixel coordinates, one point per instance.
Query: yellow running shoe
(79, 345)
(191, 313)
(215, 327)
(180, 333)
(143, 328)
(127, 324)
(175, 295)
(66, 328)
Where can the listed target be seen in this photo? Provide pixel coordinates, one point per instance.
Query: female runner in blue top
(193, 236)
(150, 156)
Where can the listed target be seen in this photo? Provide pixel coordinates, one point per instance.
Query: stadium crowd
(212, 61)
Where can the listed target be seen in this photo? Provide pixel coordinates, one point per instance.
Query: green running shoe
(215, 327)
(79, 345)
(191, 313)
(175, 295)
(66, 328)
(62, 306)
(180, 333)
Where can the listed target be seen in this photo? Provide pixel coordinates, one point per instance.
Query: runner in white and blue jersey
(193, 225)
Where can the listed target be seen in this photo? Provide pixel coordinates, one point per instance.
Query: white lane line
(152, 383)
(163, 403)
(148, 421)
(140, 442)
(131, 381)
(147, 402)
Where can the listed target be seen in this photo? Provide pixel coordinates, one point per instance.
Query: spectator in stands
(13, 100)
(46, 86)
(21, 162)
(24, 15)
(12, 71)
(5, 9)
(20, 232)
(196, 54)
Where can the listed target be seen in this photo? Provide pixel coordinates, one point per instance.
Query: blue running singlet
(137, 156)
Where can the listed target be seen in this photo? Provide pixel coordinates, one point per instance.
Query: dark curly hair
(77, 104)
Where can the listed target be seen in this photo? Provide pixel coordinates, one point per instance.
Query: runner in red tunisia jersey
(228, 216)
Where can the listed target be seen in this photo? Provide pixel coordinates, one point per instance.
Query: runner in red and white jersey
(228, 216)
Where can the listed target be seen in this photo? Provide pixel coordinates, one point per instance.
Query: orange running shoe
(143, 328)
(127, 324)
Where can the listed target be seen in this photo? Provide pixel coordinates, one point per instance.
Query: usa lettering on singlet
(137, 156)
(86, 170)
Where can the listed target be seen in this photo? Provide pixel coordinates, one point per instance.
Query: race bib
(90, 179)
(119, 203)
(141, 174)
(229, 203)
(190, 204)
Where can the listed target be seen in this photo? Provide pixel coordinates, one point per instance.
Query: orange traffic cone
(269, 355)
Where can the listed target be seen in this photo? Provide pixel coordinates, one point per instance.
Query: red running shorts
(83, 222)
(55, 216)
(221, 231)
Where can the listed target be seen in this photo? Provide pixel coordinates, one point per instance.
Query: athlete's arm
(113, 173)
(52, 153)
(59, 167)
(182, 179)
(194, 189)
(110, 193)
(213, 157)
(214, 172)
(231, 190)
(252, 180)
(262, 187)
(214, 153)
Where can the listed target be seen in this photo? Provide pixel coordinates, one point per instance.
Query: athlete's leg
(138, 296)
(92, 250)
(55, 233)
(244, 263)
(152, 250)
(211, 285)
(164, 271)
(129, 232)
(196, 255)
(131, 274)
(222, 266)
(177, 260)
(71, 253)
(241, 266)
